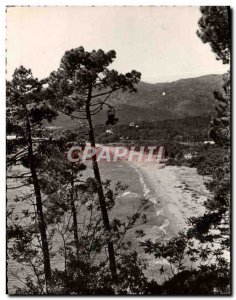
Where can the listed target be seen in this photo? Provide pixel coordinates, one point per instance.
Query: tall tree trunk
(39, 206)
(101, 196)
(74, 215)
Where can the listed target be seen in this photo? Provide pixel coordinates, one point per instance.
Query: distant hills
(171, 100)
(161, 101)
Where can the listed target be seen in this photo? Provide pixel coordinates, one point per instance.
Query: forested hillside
(161, 101)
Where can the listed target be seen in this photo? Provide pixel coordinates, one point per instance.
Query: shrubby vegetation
(189, 130)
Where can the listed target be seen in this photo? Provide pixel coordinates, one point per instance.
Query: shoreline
(172, 205)
(177, 193)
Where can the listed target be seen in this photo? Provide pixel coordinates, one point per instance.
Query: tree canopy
(214, 29)
(80, 71)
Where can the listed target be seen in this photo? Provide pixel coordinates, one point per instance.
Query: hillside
(160, 101)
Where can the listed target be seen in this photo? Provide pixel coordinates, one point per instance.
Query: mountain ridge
(188, 97)
(160, 101)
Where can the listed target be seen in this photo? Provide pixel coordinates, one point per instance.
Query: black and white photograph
(118, 150)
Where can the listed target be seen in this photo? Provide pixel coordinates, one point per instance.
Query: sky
(159, 42)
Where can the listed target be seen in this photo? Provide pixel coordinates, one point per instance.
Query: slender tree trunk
(39, 206)
(101, 196)
(74, 215)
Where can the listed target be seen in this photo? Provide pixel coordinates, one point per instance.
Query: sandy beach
(177, 193)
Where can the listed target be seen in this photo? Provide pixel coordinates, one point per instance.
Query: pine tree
(26, 109)
(83, 84)
(214, 29)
